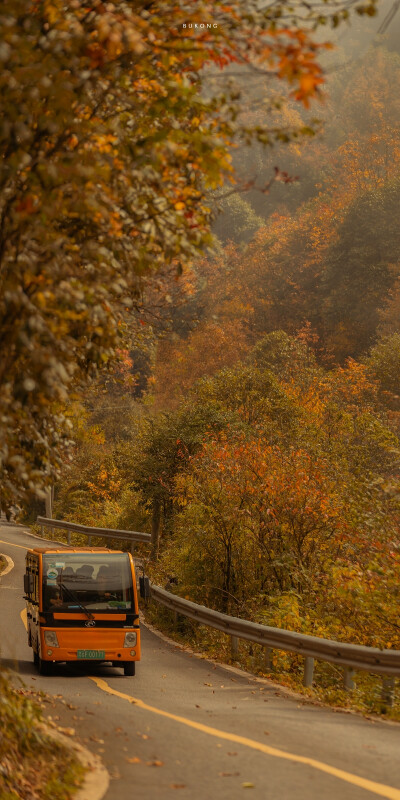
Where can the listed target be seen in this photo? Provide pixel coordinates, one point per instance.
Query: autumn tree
(108, 146)
(257, 519)
(383, 364)
(180, 363)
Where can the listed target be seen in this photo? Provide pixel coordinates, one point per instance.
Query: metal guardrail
(104, 533)
(348, 656)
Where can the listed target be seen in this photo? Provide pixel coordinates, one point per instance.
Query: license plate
(91, 653)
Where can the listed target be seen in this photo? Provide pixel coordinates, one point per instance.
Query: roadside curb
(283, 691)
(97, 779)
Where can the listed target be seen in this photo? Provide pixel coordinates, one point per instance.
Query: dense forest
(255, 427)
(200, 295)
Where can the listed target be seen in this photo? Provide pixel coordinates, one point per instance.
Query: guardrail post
(69, 537)
(234, 646)
(308, 671)
(132, 549)
(387, 695)
(267, 658)
(89, 540)
(175, 613)
(348, 679)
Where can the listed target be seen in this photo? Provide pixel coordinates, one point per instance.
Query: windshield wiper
(76, 600)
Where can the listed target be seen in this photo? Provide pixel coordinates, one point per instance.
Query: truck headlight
(130, 639)
(50, 638)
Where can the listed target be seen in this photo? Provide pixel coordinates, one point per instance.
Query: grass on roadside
(33, 766)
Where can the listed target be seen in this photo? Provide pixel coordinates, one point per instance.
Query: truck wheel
(45, 667)
(129, 667)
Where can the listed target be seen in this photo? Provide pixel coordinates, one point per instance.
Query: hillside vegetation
(32, 765)
(256, 430)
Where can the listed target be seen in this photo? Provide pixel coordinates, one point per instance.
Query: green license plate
(91, 653)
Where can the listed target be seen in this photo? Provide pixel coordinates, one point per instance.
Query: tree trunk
(49, 502)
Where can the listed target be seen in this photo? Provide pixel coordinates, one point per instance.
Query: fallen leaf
(114, 773)
(197, 706)
(134, 760)
(247, 785)
(67, 731)
(154, 763)
(177, 786)
(208, 684)
(266, 733)
(228, 774)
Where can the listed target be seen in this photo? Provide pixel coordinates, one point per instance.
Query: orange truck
(82, 606)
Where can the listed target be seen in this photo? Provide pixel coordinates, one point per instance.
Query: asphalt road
(183, 725)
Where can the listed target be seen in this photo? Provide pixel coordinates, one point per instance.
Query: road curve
(183, 724)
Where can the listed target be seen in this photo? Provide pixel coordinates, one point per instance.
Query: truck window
(99, 582)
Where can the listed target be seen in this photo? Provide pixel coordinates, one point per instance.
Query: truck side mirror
(144, 587)
(29, 584)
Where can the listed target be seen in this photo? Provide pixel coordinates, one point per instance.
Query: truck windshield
(91, 581)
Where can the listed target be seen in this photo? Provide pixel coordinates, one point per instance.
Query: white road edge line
(9, 567)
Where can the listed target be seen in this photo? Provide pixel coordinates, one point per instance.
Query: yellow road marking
(371, 786)
(14, 545)
(24, 618)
